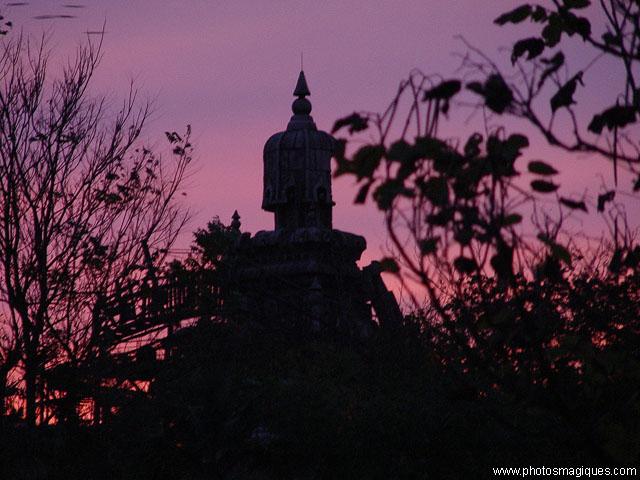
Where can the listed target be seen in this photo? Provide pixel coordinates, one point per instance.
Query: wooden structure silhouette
(303, 273)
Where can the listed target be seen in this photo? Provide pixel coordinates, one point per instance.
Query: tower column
(297, 169)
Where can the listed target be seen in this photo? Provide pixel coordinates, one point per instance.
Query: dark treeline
(239, 399)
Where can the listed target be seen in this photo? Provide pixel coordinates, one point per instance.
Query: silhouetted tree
(210, 245)
(540, 323)
(84, 209)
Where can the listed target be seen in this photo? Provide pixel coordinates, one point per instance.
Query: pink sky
(229, 69)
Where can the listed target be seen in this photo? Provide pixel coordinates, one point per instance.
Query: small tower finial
(235, 223)
(302, 90)
(301, 106)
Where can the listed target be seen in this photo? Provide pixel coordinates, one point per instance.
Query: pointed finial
(302, 90)
(301, 106)
(235, 223)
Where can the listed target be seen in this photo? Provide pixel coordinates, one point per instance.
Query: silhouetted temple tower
(297, 169)
(304, 272)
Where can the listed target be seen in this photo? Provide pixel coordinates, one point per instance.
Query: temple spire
(301, 106)
(302, 90)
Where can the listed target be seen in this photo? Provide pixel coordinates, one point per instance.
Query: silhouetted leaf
(444, 90)
(399, 151)
(436, 190)
(553, 30)
(466, 182)
(597, 124)
(554, 63)
(463, 236)
(344, 166)
(339, 148)
(539, 14)
(573, 204)
(429, 245)
(512, 219)
(472, 147)
(611, 39)
(465, 264)
(49, 17)
(429, 147)
(564, 96)
(544, 187)
(388, 264)
(497, 93)
(533, 46)
(514, 16)
(503, 153)
(604, 198)
(574, 24)
(362, 193)
(355, 122)
(388, 191)
(441, 218)
(366, 160)
(541, 168)
(636, 184)
(517, 141)
(475, 87)
(616, 116)
(576, 3)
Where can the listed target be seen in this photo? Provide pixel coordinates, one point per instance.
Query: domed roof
(301, 132)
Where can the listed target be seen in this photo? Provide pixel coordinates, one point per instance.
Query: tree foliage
(85, 211)
(518, 309)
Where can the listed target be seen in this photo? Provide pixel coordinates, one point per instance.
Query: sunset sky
(229, 69)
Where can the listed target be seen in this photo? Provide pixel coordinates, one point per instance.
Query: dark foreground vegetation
(526, 352)
(238, 400)
(551, 378)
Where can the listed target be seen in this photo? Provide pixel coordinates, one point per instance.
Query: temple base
(308, 279)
